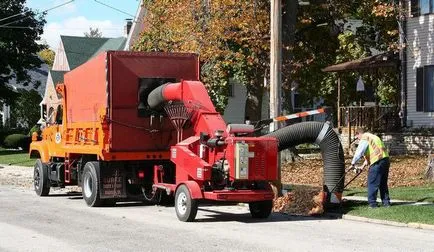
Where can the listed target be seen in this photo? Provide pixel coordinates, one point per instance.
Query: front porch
(374, 118)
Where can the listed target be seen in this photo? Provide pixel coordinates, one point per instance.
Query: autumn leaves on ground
(306, 175)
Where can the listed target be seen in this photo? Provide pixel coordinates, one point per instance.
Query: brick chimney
(127, 27)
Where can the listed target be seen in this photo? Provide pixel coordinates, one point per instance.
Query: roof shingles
(80, 49)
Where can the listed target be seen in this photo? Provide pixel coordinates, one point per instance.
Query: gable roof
(112, 44)
(57, 77)
(80, 49)
(383, 60)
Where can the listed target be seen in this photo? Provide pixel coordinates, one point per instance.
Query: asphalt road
(64, 223)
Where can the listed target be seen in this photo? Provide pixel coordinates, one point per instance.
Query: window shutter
(419, 89)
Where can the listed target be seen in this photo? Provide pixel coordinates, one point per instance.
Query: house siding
(235, 110)
(50, 98)
(60, 60)
(420, 52)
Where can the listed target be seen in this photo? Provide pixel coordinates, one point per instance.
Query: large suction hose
(156, 98)
(327, 139)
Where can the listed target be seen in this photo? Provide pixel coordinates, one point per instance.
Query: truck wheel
(40, 179)
(90, 186)
(261, 209)
(185, 206)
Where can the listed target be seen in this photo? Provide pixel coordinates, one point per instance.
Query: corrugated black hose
(327, 139)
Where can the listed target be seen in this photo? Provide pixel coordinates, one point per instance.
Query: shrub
(18, 141)
(36, 129)
(4, 132)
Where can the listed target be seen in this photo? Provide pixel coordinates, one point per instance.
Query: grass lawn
(15, 157)
(400, 212)
(417, 194)
(397, 212)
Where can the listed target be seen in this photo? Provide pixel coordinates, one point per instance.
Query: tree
(320, 39)
(93, 33)
(25, 109)
(18, 47)
(230, 36)
(47, 55)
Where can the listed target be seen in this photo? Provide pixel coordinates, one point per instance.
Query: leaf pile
(301, 200)
(307, 200)
(404, 171)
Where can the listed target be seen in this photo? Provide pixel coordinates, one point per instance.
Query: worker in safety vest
(376, 157)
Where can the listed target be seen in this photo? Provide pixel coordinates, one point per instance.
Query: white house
(419, 62)
(72, 52)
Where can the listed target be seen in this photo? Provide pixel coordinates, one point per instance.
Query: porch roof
(383, 60)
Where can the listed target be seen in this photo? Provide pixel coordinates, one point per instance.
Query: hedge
(16, 141)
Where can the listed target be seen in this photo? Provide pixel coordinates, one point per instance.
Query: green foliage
(228, 35)
(4, 132)
(47, 56)
(25, 110)
(93, 33)
(36, 129)
(16, 141)
(18, 47)
(232, 38)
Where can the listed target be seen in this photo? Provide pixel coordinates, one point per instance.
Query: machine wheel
(185, 206)
(261, 209)
(90, 186)
(40, 179)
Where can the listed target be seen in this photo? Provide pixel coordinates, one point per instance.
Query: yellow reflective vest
(376, 149)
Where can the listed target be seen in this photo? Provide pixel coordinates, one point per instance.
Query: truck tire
(185, 206)
(40, 178)
(90, 185)
(261, 209)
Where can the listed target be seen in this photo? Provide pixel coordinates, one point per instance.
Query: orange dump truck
(141, 126)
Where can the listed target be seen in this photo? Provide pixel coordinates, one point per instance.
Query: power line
(52, 28)
(24, 12)
(46, 10)
(116, 9)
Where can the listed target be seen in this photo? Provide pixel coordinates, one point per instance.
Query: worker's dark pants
(377, 179)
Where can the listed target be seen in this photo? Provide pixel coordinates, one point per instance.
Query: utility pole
(276, 74)
(275, 62)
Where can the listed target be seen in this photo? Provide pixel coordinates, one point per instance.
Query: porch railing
(373, 118)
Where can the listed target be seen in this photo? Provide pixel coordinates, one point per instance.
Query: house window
(59, 114)
(422, 7)
(50, 117)
(425, 89)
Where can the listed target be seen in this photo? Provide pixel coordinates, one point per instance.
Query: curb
(389, 223)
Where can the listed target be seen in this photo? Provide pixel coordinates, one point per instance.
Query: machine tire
(185, 206)
(90, 185)
(40, 178)
(261, 209)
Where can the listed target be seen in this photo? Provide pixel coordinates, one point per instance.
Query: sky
(76, 17)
